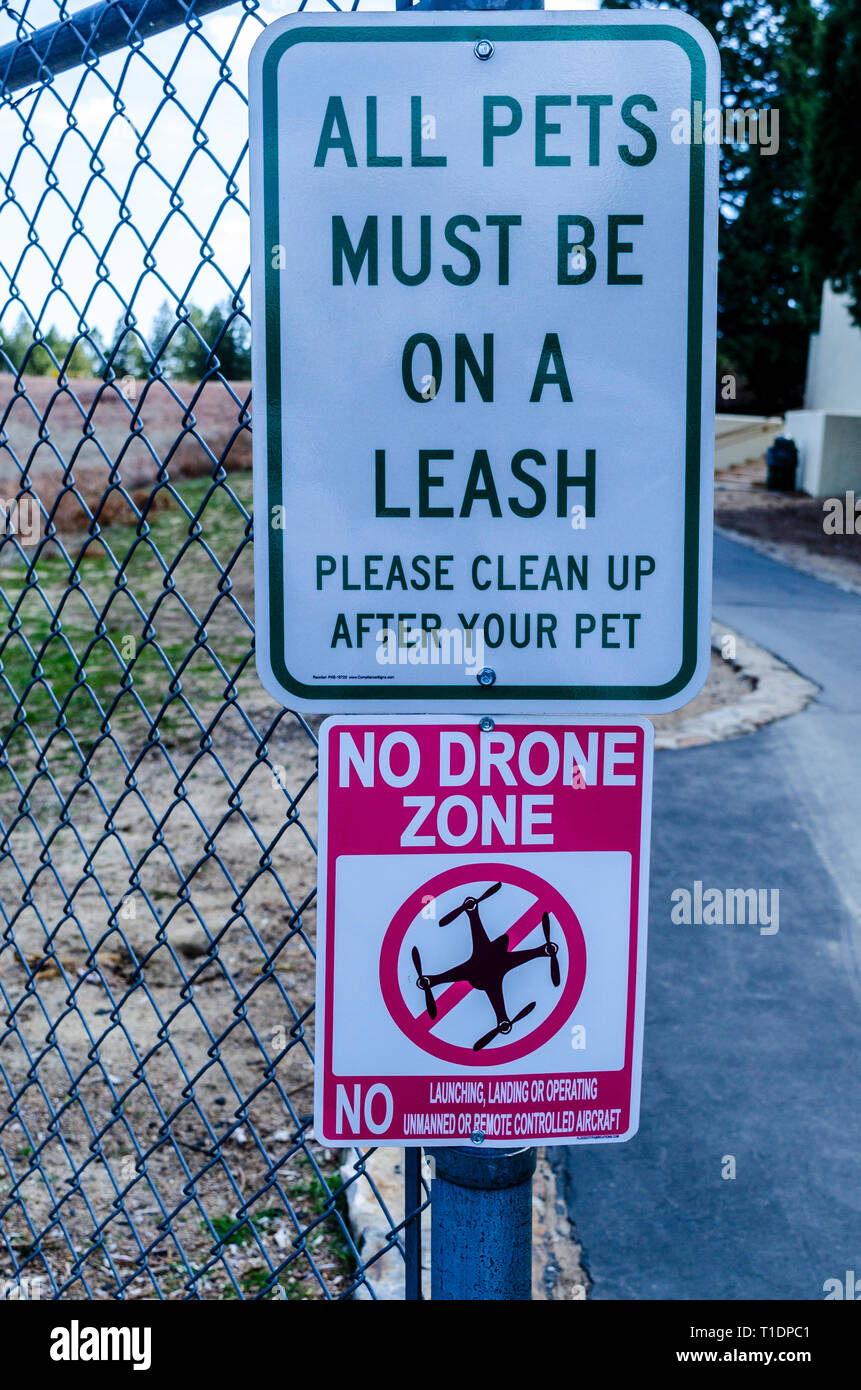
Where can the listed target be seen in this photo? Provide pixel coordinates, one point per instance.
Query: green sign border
(499, 31)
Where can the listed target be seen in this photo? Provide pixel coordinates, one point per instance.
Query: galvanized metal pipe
(481, 1208)
(481, 1224)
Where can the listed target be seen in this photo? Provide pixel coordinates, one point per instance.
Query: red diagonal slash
(452, 996)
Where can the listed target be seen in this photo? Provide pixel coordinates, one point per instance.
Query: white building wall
(827, 432)
(834, 361)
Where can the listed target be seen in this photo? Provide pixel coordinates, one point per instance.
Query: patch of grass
(74, 646)
(327, 1244)
(175, 1278)
(244, 1234)
(223, 1228)
(309, 1199)
(288, 1286)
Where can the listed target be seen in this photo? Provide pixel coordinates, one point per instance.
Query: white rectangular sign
(481, 929)
(484, 268)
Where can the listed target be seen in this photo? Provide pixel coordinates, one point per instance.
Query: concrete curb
(557, 1270)
(370, 1226)
(778, 691)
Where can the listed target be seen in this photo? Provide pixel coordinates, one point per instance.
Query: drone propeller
(552, 949)
(450, 916)
(422, 983)
(494, 1032)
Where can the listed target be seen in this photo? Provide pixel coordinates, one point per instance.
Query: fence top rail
(92, 32)
(110, 25)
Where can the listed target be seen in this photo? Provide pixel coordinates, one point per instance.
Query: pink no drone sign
(481, 929)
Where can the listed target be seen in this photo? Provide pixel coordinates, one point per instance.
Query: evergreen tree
(130, 358)
(766, 307)
(50, 356)
(164, 342)
(217, 341)
(831, 220)
(14, 343)
(192, 356)
(228, 334)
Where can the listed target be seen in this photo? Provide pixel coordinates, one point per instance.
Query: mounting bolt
(486, 676)
(477, 1136)
(486, 724)
(483, 49)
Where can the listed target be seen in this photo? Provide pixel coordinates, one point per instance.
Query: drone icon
(487, 966)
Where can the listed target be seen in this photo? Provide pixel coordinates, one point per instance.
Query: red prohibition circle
(550, 899)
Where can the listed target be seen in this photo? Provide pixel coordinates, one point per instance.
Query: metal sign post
(485, 1194)
(481, 1233)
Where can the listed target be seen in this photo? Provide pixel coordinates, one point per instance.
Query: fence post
(481, 1212)
(413, 1227)
(481, 1224)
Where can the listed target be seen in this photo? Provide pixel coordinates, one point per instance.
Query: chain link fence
(157, 811)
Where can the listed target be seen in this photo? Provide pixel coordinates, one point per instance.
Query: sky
(93, 229)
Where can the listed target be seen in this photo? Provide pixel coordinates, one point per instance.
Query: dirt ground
(157, 968)
(725, 684)
(789, 524)
(85, 437)
(150, 995)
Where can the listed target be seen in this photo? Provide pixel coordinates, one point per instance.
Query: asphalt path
(752, 1041)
